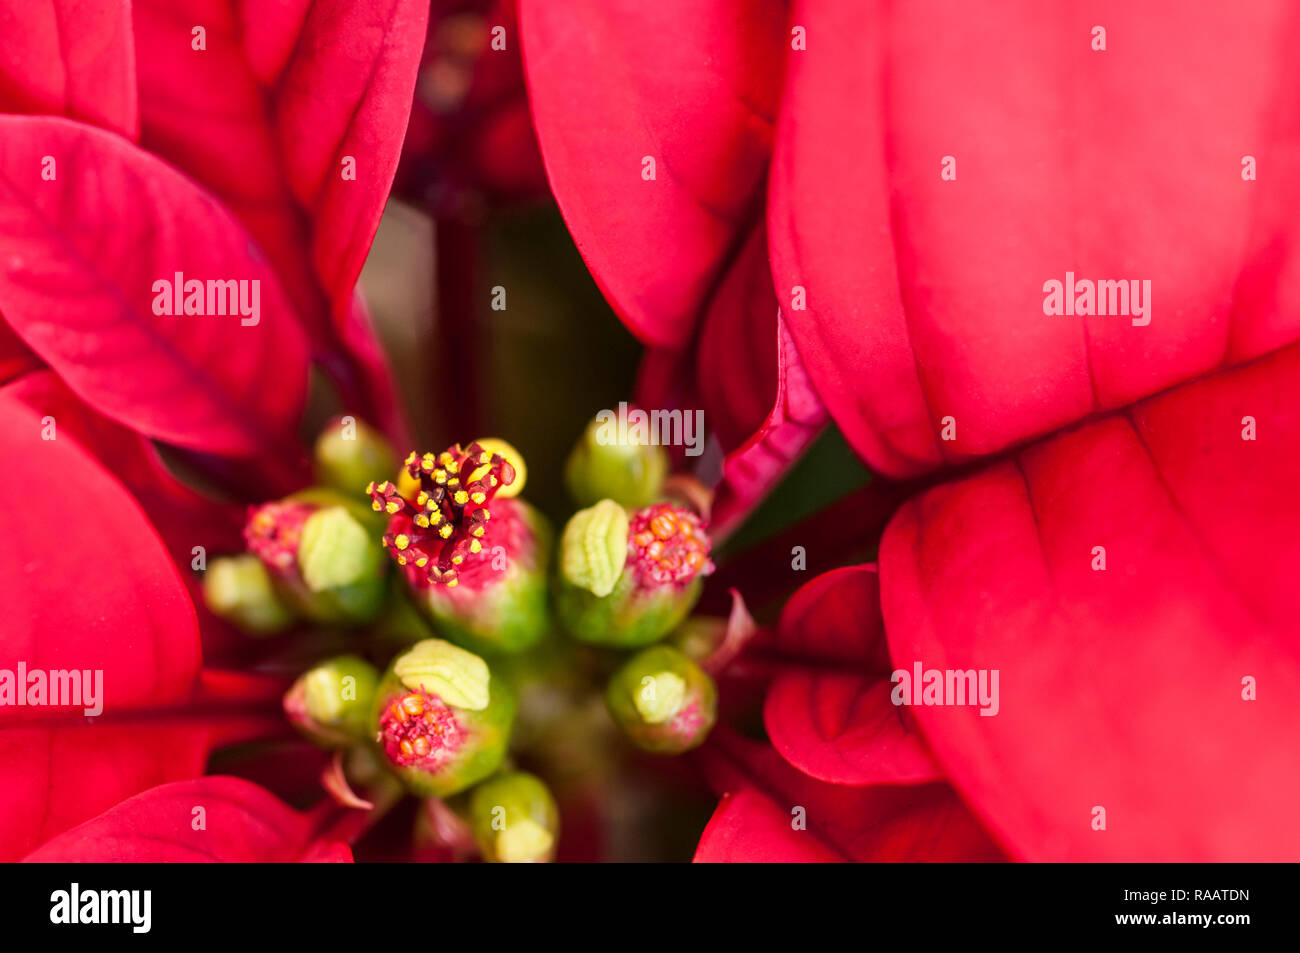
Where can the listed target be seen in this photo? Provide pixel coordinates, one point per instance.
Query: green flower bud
(331, 702)
(594, 547)
(664, 702)
(639, 599)
(607, 465)
(349, 454)
(514, 819)
(325, 562)
(239, 589)
(441, 721)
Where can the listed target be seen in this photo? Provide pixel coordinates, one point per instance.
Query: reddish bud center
(668, 544)
(419, 730)
(274, 530)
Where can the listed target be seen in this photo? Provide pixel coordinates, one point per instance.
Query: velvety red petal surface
(737, 355)
(748, 827)
(71, 58)
(695, 87)
(1122, 689)
(239, 823)
(267, 115)
(844, 729)
(792, 423)
(925, 296)
(86, 584)
(828, 712)
(80, 256)
(876, 822)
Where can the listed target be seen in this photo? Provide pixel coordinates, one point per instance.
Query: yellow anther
(479, 497)
(478, 530)
(457, 559)
(422, 561)
(475, 546)
(376, 505)
(402, 541)
(370, 487)
(393, 506)
(461, 497)
(445, 531)
(421, 521)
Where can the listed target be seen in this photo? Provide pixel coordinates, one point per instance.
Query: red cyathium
(419, 730)
(448, 519)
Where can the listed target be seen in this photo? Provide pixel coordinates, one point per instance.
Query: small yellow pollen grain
(457, 559)
(421, 521)
(479, 497)
(370, 487)
(393, 506)
(445, 531)
(478, 530)
(452, 582)
(475, 546)
(461, 497)
(402, 541)
(376, 505)
(401, 560)
(422, 561)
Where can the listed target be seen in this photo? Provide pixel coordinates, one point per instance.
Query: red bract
(82, 253)
(293, 115)
(774, 813)
(216, 819)
(267, 109)
(933, 167)
(69, 58)
(103, 597)
(1124, 688)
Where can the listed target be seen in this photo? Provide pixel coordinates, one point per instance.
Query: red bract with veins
(885, 197)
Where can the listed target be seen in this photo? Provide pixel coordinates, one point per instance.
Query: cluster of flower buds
(473, 566)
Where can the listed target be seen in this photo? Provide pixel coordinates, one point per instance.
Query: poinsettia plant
(960, 573)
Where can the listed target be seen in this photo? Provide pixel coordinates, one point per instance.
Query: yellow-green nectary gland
(322, 695)
(458, 677)
(594, 547)
(522, 841)
(335, 550)
(659, 697)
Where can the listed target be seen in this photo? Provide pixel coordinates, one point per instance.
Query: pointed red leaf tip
(836, 725)
(293, 115)
(81, 259)
(270, 112)
(1066, 158)
(615, 85)
(70, 58)
(206, 820)
(86, 585)
(1163, 688)
(772, 813)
